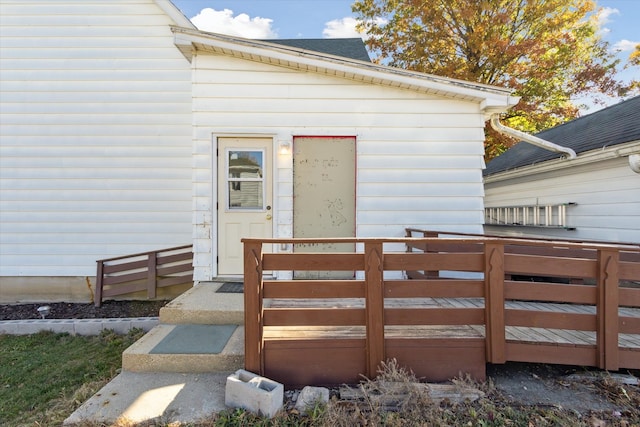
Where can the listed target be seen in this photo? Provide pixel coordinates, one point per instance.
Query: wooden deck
(583, 308)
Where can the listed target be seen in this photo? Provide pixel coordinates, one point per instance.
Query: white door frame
(218, 200)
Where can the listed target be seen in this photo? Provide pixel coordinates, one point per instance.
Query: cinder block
(254, 393)
(28, 327)
(144, 323)
(119, 326)
(9, 327)
(61, 326)
(88, 327)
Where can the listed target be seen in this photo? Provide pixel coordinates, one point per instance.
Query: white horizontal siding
(95, 128)
(394, 106)
(419, 157)
(420, 175)
(607, 196)
(60, 79)
(423, 204)
(440, 161)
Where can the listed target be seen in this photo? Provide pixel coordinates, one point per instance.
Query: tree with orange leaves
(548, 51)
(634, 58)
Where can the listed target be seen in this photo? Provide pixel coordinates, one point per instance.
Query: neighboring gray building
(530, 191)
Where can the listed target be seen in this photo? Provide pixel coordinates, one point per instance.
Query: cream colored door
(244, 198)
(324, 195)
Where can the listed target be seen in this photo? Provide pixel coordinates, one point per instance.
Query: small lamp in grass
(44, 311)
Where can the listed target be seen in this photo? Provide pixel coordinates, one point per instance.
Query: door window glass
(245, 179)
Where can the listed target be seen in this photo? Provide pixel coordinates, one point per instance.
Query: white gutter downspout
(539, 142)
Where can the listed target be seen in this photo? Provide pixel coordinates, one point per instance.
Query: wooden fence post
(607, 310)
(152, 274)
(97, 298)
(374, 305)
(494, 302)
(253, 307)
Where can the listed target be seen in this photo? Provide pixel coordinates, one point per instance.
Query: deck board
(512, 333)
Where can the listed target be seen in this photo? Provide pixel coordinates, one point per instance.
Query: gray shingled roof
(613, 125)
(352, 48)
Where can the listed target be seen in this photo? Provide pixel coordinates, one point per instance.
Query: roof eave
(584, 158)
(491, 98)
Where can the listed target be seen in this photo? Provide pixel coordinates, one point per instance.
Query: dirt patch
(577, 389)
(63, 310)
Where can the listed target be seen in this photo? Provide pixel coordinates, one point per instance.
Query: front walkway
(151, 387)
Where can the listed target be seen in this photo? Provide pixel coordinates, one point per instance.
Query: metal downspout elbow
(539, 142)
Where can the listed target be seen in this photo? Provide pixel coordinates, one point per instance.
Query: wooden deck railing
(145, 271)
(457, 313)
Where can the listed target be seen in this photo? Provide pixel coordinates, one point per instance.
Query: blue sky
(313, 18)
(264, 19)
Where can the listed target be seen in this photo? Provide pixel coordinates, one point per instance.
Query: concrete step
(187, 349)
(154, 399)
(204, 305)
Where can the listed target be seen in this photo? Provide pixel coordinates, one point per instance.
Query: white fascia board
(174, 13)
(593, 156)
(496, 98)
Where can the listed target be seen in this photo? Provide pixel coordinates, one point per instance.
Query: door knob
(269, 217)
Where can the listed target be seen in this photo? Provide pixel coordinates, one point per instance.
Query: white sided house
(125, 130)
(596, 196)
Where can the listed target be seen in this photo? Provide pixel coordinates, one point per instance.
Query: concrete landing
(161, 397)
(202, 304)
(152, 353)
(176, 373)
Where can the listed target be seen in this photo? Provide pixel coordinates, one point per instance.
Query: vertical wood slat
(430, 234)
(607, 310)
(152, 274)
(374, 306)
(494, 303)
(253, 344)
(97, 298)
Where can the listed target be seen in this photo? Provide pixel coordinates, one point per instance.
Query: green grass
(41, 374)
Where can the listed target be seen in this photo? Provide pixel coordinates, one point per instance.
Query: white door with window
(244, 198)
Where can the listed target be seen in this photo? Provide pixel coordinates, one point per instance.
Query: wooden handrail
(433, 233)
(177, 248)
(145, 271)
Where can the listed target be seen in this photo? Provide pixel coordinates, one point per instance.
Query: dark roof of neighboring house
(352, 48)
(613, 125)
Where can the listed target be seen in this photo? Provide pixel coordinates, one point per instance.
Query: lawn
(45, 376)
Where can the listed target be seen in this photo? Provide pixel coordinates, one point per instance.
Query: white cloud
(625, 45)
(341, 28)
(242, 25)
(604, 17)
(346, 27)
(605, 14)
